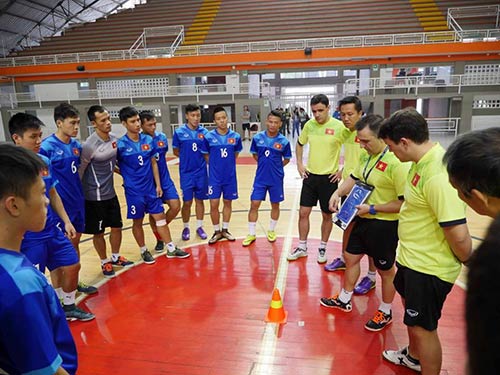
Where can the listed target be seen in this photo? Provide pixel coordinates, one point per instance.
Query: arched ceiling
(24, 23)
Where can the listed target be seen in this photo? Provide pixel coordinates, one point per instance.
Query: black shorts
(246, 126)
(375, 238)
(317, 187)
(424, 297)
(102, 214)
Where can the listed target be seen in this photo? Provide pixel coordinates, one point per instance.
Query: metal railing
(265, 46)
(367, 86)
(471, 12)
(443, 124)
(140, 47)
(163, 92)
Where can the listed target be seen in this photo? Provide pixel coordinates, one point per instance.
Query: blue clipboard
(358, 195)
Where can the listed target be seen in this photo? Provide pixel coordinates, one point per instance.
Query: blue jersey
(34, 334)
(52, 218)
(65, 160)
(222, 151)
(189, 142)
(134, 160)
(270, 151)
(160, 143)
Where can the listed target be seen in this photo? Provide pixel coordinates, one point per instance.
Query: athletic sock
(302, 245)
(225, 226)
(199, 223)
(322, 245)
(115, 257)
(385, 307)
(372, 275)
(345, 296)
(143, 249)
(272, 224)
(251, 228)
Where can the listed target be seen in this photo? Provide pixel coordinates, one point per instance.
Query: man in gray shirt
(102, 208)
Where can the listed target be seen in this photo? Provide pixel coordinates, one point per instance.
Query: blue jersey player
(64, 152)
(50, 248)
(170, 196)
(34, 334)
(221, 148)
(139, 169)
(272, 152)
(187, 142)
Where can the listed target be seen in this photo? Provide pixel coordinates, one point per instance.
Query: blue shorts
(52, 252)
(140, 205)
(228, 191)
(77, 218)
(276, 193)
(194, 186)
(169, 191)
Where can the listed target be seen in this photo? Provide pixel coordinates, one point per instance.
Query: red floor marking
(246, 160)
(204, 315)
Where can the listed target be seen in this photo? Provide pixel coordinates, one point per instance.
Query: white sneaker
(400, 357)
(322, 256)
(296, 254)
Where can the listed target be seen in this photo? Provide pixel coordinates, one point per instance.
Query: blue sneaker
(364, 286)
(336, 265)
(186, 234)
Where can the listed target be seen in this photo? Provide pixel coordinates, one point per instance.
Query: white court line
(265, 361)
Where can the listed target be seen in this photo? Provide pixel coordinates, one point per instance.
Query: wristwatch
(372, 210)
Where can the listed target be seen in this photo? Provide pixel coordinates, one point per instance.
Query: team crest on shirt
(381, 166)
(415, 179)
(161, 144)
(278, 146)
(114, 145)
(76, 152)
(231, 141)
(356, 140)
(145, 147)
(201, 136)
(329, 131)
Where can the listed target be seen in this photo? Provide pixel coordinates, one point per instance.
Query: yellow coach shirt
(324, 145)
(430, 204)
(352, 153)
(388, 176)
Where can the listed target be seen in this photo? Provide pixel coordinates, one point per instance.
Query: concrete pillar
(466, 113)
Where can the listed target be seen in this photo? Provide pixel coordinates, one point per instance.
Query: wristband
(372, 210)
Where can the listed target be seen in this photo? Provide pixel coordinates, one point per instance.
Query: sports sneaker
(336, 265)
(321, 256)
(271, 235)
(296, 254)
(336, 303)
(87, 289)
(401, 357)
(122, 262)
(73, 313)
(215, 237)
(148, 258)
(107, 270)
(228, 236)
(160, 246)
(186, 234)
(365, 285)
(201, 233)
(177, 253)
(249, 239)
(379, 321)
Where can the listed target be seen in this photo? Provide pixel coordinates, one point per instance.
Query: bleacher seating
(253, 20)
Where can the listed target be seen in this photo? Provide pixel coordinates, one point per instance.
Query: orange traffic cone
(276, 313)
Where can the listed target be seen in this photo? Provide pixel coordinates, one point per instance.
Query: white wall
(484, 122)
(56, 91)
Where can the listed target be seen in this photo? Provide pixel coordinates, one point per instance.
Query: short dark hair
(351, 100)
(374, 122)
(482, 309)
(192, 108)
(64, 111)
(127, 112)
(274, 113)
(19, 169)
(218, 109)
(320, 98)
(92, 111)
(146, 115)
(473, 162)
(21, 122)
(405, 123)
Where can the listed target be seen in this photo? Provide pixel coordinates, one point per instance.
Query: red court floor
(204, 315)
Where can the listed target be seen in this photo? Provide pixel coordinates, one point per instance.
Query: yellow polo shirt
(352, 153)
(324, 145)
(388, 176)
(431, 203)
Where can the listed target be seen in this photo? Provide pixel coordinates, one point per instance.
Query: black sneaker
(73, 313)
(177, 253)
(160, 246)
(336, 303)
(87, 289)
(379, 321)
(148, 258)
